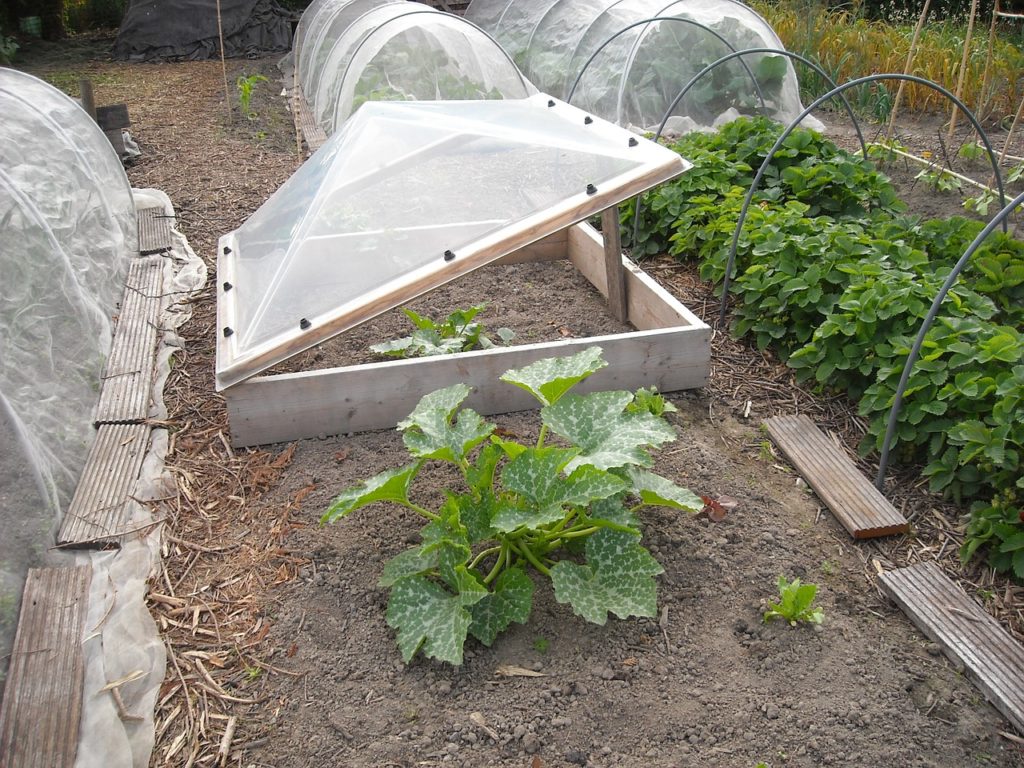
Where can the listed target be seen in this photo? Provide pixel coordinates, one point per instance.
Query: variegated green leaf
(509, 447)
(547, 380)
(411, 562)
(476, 514)
(617, 578)
(392, 485)
(480, 474)
(448, 539)
(430, 432)
(658, 491)
(510, 602)
(428, 617)
(536, 476)
(605, 433)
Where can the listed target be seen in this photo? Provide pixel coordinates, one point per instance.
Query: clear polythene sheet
(634, 80)
(404, 189)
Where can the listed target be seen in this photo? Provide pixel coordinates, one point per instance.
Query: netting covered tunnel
(633, 57)
(349, 52)
(68, 218)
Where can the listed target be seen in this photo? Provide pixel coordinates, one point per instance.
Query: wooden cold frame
(670, 349)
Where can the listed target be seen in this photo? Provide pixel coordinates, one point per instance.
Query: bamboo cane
(223, 64)
(963, 72)
(906, 69)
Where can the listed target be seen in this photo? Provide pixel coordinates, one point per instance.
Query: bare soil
(276, 626)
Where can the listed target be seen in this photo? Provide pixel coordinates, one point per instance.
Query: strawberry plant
(456, 333)
(565, 510)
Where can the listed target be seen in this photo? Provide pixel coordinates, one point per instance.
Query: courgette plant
(565, 509)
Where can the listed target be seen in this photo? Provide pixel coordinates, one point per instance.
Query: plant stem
(476, 560)
(425, 512)
(525, 551)
(542, 435)
(502, 557)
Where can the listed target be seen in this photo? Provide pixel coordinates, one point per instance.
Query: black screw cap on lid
(227, 286)
(228, 332)
(588, 120)
(632, 141)
(591, 189)
(226, 250)
(448, 255)
(304, 323)
(551, 102)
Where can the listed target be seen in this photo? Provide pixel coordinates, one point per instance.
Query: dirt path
(261, 605)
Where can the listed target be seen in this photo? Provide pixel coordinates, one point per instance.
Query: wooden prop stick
(223, 63)
(963, 72)
(906, 69)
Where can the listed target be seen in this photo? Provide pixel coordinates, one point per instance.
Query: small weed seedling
(246, 85)
(456, 333)
(939, 180)
(567, 511)
(794, 604)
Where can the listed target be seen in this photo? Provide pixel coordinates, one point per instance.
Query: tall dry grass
(848, 46)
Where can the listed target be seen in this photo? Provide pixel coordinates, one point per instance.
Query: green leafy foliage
(836, 281)
(567, 511)
(795, 603)
(456, 333)
(8, 47)
(246, 85)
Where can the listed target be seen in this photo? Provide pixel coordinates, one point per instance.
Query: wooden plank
(614, 279)
(42, 707)
(114, 116)
(314, 136)
(970, 637)
(128, 376)
(648, 305)
(855, 502)
(154, 231)
(97, 515)
(550, 248)
(271, 409)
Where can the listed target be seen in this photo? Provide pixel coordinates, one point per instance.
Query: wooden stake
(906, 69)
(1013, 127)
(613, 263)
(980, 105)
(963, 72)
(88, 100)
(223, 64)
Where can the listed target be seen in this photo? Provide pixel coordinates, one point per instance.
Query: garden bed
(286, 615)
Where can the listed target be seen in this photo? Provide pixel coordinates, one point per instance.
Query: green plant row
(832, 276)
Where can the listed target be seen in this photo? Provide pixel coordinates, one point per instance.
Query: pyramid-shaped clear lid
(406, 197)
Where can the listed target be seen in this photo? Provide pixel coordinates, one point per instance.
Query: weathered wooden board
(154, 231)
(855, 502)
(671, 351)
(971, 638)
(97, 514)
(272, 409)
(128, 376)
(306, 123)
(42, 707)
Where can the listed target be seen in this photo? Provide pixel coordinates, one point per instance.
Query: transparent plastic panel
(90, 143)
(636, 77)
(68, 194)
(305, 21)
(373, 213)
(548, 55)
(54, 341)
(27, 515)
(446, 58)
(515, 27)
(486, 13)
(342, 18)
(325, 97)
